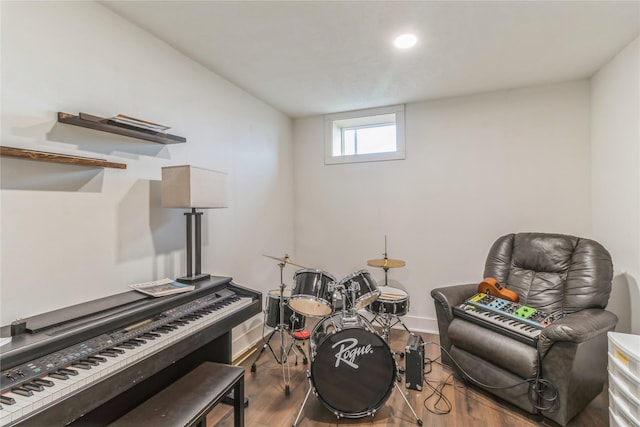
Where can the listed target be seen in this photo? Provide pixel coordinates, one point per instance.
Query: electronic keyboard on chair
(518, 321)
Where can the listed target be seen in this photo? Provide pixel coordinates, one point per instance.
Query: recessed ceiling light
(405, 41)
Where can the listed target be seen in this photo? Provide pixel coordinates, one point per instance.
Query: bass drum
(352, 368)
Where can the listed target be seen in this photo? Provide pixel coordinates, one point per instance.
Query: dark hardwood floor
(270, 407)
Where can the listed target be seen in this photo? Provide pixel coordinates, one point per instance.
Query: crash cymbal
(386, 263)
(285, 260)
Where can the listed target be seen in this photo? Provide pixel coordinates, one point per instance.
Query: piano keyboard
(33, 386)
(520, 322)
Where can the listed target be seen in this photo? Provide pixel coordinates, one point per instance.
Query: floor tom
(294, 321)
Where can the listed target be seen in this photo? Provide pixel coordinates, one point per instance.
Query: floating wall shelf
(107, 125)
(59, 158)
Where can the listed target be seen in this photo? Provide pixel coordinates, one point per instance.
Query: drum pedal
(414, 362)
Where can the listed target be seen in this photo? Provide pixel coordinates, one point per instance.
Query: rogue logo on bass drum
(348, 351)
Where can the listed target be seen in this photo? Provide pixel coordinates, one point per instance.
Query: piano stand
(129, 347)
(188, 401)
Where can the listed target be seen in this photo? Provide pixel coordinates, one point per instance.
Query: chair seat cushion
(500, 350)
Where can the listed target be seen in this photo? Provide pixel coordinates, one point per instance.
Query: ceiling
(317, 57)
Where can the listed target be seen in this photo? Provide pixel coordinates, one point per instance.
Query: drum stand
(284, 330)
(354, 288)
(386, 320)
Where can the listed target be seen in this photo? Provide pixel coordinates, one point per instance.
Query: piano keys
(517, 321)
(91, 366)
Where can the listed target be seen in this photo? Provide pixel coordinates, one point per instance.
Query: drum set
(353, 370)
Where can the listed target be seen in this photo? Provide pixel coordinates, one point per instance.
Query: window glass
(365, 135)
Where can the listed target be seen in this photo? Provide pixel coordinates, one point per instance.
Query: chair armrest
(445, 299)
(450, 296)
(578, 327)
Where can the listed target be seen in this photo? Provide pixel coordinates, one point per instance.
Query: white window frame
(334, 123)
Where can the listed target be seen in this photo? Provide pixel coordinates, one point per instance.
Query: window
(365, 135)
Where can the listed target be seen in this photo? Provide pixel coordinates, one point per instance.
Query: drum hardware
(352, 368)
(285, 260)
(386, 263)
(294, 323)
(392, 302)
(350, 304)
(387, 310)
(283, 329)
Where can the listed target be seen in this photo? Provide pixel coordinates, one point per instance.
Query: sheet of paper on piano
(162, 287)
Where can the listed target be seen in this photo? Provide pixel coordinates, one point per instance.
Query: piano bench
(187, 401)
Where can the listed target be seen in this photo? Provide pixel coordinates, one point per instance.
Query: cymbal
(285, 260)
(386, 263)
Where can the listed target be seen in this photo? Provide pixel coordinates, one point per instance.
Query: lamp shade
(189, 187)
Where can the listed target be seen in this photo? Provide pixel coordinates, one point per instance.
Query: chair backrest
(552, 272)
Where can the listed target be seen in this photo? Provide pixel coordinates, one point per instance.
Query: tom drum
(310, 295)
(391, 301)
(366, 289)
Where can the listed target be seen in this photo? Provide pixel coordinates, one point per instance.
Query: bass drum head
(353, 372)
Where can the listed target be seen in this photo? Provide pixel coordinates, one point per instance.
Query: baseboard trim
(251, 333)
(244, 355)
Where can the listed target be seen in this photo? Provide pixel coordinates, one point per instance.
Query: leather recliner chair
(567, 368)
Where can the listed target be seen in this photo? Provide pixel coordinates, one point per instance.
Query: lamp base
(195, 278)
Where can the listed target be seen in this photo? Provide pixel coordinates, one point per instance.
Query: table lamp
(189, 187)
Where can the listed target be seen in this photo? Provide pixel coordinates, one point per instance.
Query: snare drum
(294, 321)
(367, 289)
(352, 368)
(391, 301)
(310, 295)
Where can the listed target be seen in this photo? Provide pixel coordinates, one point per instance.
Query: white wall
(477, 167)
(73, 233)
(615, 135)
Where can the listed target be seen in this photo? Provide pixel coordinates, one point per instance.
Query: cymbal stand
(283, 329)
(386, 269)
(387, 317)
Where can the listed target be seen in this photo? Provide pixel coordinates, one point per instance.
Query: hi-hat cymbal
(386, 263)
(285, 260)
